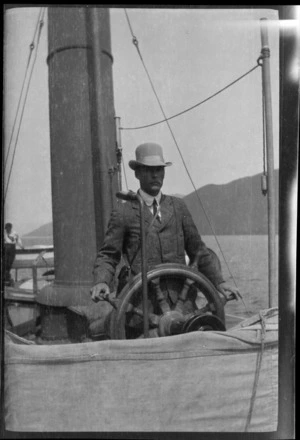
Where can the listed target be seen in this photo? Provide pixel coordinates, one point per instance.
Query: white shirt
(12, 238)
(149, 201)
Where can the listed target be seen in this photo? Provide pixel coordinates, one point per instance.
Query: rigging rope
(257, 369)
(264, 177)
(31, 47)
(135, 42)
(37, 32)
(194, 106)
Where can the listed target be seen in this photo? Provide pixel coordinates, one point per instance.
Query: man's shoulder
(125, 207)
(179, 205)
(176, 200)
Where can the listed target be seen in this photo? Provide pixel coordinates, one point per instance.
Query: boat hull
(195, 382)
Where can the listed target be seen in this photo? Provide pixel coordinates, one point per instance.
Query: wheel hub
(174, 323)
(203, 323)
(171, 323)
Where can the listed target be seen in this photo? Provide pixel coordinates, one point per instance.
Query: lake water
(33, 241)
(247, 258)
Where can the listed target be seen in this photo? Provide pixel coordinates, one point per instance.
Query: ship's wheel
(180, 300)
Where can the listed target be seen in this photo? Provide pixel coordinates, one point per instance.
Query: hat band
(151, 160)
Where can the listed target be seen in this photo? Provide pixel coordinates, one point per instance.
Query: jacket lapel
(147, 213)
(166, 209)
(148, 217)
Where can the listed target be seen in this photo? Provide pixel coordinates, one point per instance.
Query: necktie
(155, 208)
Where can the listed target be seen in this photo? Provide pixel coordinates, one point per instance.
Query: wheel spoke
(160, 297)
(183, 295)
(153, 318)
(209, 307)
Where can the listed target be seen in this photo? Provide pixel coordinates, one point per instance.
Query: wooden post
(266, 80)
(144, 268)
(119, 151)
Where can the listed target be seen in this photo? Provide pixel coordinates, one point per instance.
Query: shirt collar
(149, 199)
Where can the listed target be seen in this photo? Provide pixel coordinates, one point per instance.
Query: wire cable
(194, 106)
(31, 48)
(41, 23)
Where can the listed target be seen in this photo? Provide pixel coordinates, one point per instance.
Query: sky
(190, 54)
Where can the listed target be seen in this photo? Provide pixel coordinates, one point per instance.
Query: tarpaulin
(197, 382)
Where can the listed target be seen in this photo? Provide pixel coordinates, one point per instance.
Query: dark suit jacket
(167, 240)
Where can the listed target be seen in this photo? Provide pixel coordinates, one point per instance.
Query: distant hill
(237, 207)
(180, 196)
(43, 231)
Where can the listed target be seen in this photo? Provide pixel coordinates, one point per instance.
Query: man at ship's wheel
(171, 231)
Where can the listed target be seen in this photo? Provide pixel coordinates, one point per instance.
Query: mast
(83, 147)
(266, 81)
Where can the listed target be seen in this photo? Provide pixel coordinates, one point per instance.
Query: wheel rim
(160, 278)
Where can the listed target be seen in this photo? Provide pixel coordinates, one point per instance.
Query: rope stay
(264, 183)
(265, 53)
(259, 360)
(31, 48)
(135, 42)
(264, 176)
(24, 93)
(196, 105)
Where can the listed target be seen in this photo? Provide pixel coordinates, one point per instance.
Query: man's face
(151, 179)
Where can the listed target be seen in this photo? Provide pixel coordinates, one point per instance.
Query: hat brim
(134, 164)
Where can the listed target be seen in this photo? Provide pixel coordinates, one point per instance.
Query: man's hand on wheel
(99, 292)
(225, 289)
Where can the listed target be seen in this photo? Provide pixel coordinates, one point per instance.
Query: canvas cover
(196, 382)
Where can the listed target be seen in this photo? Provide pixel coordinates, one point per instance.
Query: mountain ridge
(234, 208)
